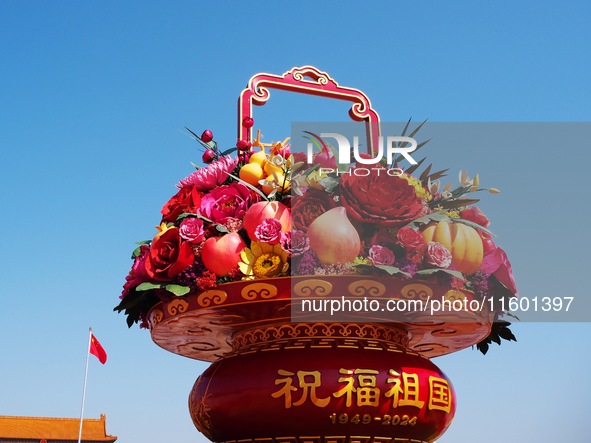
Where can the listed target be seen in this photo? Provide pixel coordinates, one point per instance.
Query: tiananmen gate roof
(50, 428)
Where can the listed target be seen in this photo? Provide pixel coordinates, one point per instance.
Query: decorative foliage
(259, 211)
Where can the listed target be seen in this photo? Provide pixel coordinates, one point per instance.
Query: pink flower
(325, 159)
(269, 231)
(475, 215)
(285, 241)
(497, 263)
(295, 242)
(437, 255)
(224, 202)
(283, 151)
(191, 229)
(211, 176)
(410, 239)
(380, 255)
(300, 157)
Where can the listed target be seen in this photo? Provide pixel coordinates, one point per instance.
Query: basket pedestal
(276, 379)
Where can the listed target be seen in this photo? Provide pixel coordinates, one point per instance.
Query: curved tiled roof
(50, 428)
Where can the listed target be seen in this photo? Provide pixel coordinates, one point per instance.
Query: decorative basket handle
(311, 81)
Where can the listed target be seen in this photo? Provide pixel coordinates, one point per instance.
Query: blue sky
(94, 98)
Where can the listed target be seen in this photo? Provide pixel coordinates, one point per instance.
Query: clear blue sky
(93, 96)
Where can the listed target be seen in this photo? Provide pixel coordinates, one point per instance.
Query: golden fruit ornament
(461, 240)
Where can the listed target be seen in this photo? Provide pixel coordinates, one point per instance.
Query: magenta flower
(138, 274)
(380, 255)
(224, 202)
(269, 231)
(497, 263)
(211, 176)
(191, 229)
(298, 243)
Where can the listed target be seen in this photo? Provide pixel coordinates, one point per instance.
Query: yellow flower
(162, 229)
(313, 180)
(476, 183)
(420, 190)
(263, 260)
(359, 260)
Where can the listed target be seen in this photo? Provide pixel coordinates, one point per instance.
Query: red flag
(97, 350)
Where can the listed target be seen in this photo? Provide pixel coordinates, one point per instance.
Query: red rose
(169, 256)
(306, 209)
(186, 200)
(411, 240)
(384, 237)
(381, 199)
(475, 215)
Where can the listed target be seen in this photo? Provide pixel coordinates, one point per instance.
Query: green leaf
(185, 215)
(473, 225)
(413, 168)
(203, 218)
(500, 330)
(392, 270)
(209, 145)
(418, 128)
(222, 229)
(249, 186)
(430, 271)
(435, 216)
(411, 135)
(136, 251)
(406, 127)
(437, 175)
(506, 334)
(425, 173)
(457, 203)
(228, 151)
(146, 286)
(483, 346)
(178, 290)
(311, 169)
(329, 183)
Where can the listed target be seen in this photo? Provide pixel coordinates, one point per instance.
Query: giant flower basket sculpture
(258, 245)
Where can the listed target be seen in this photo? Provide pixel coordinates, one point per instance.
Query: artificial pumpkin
(461, 240)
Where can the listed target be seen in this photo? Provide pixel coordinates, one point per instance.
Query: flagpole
(84, 390)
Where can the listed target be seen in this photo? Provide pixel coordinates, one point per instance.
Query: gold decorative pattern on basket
(215, 296)
(320, 335)
(312, 287)
(364, 288)
(417, 290)
(256, 290)
(177, 307)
